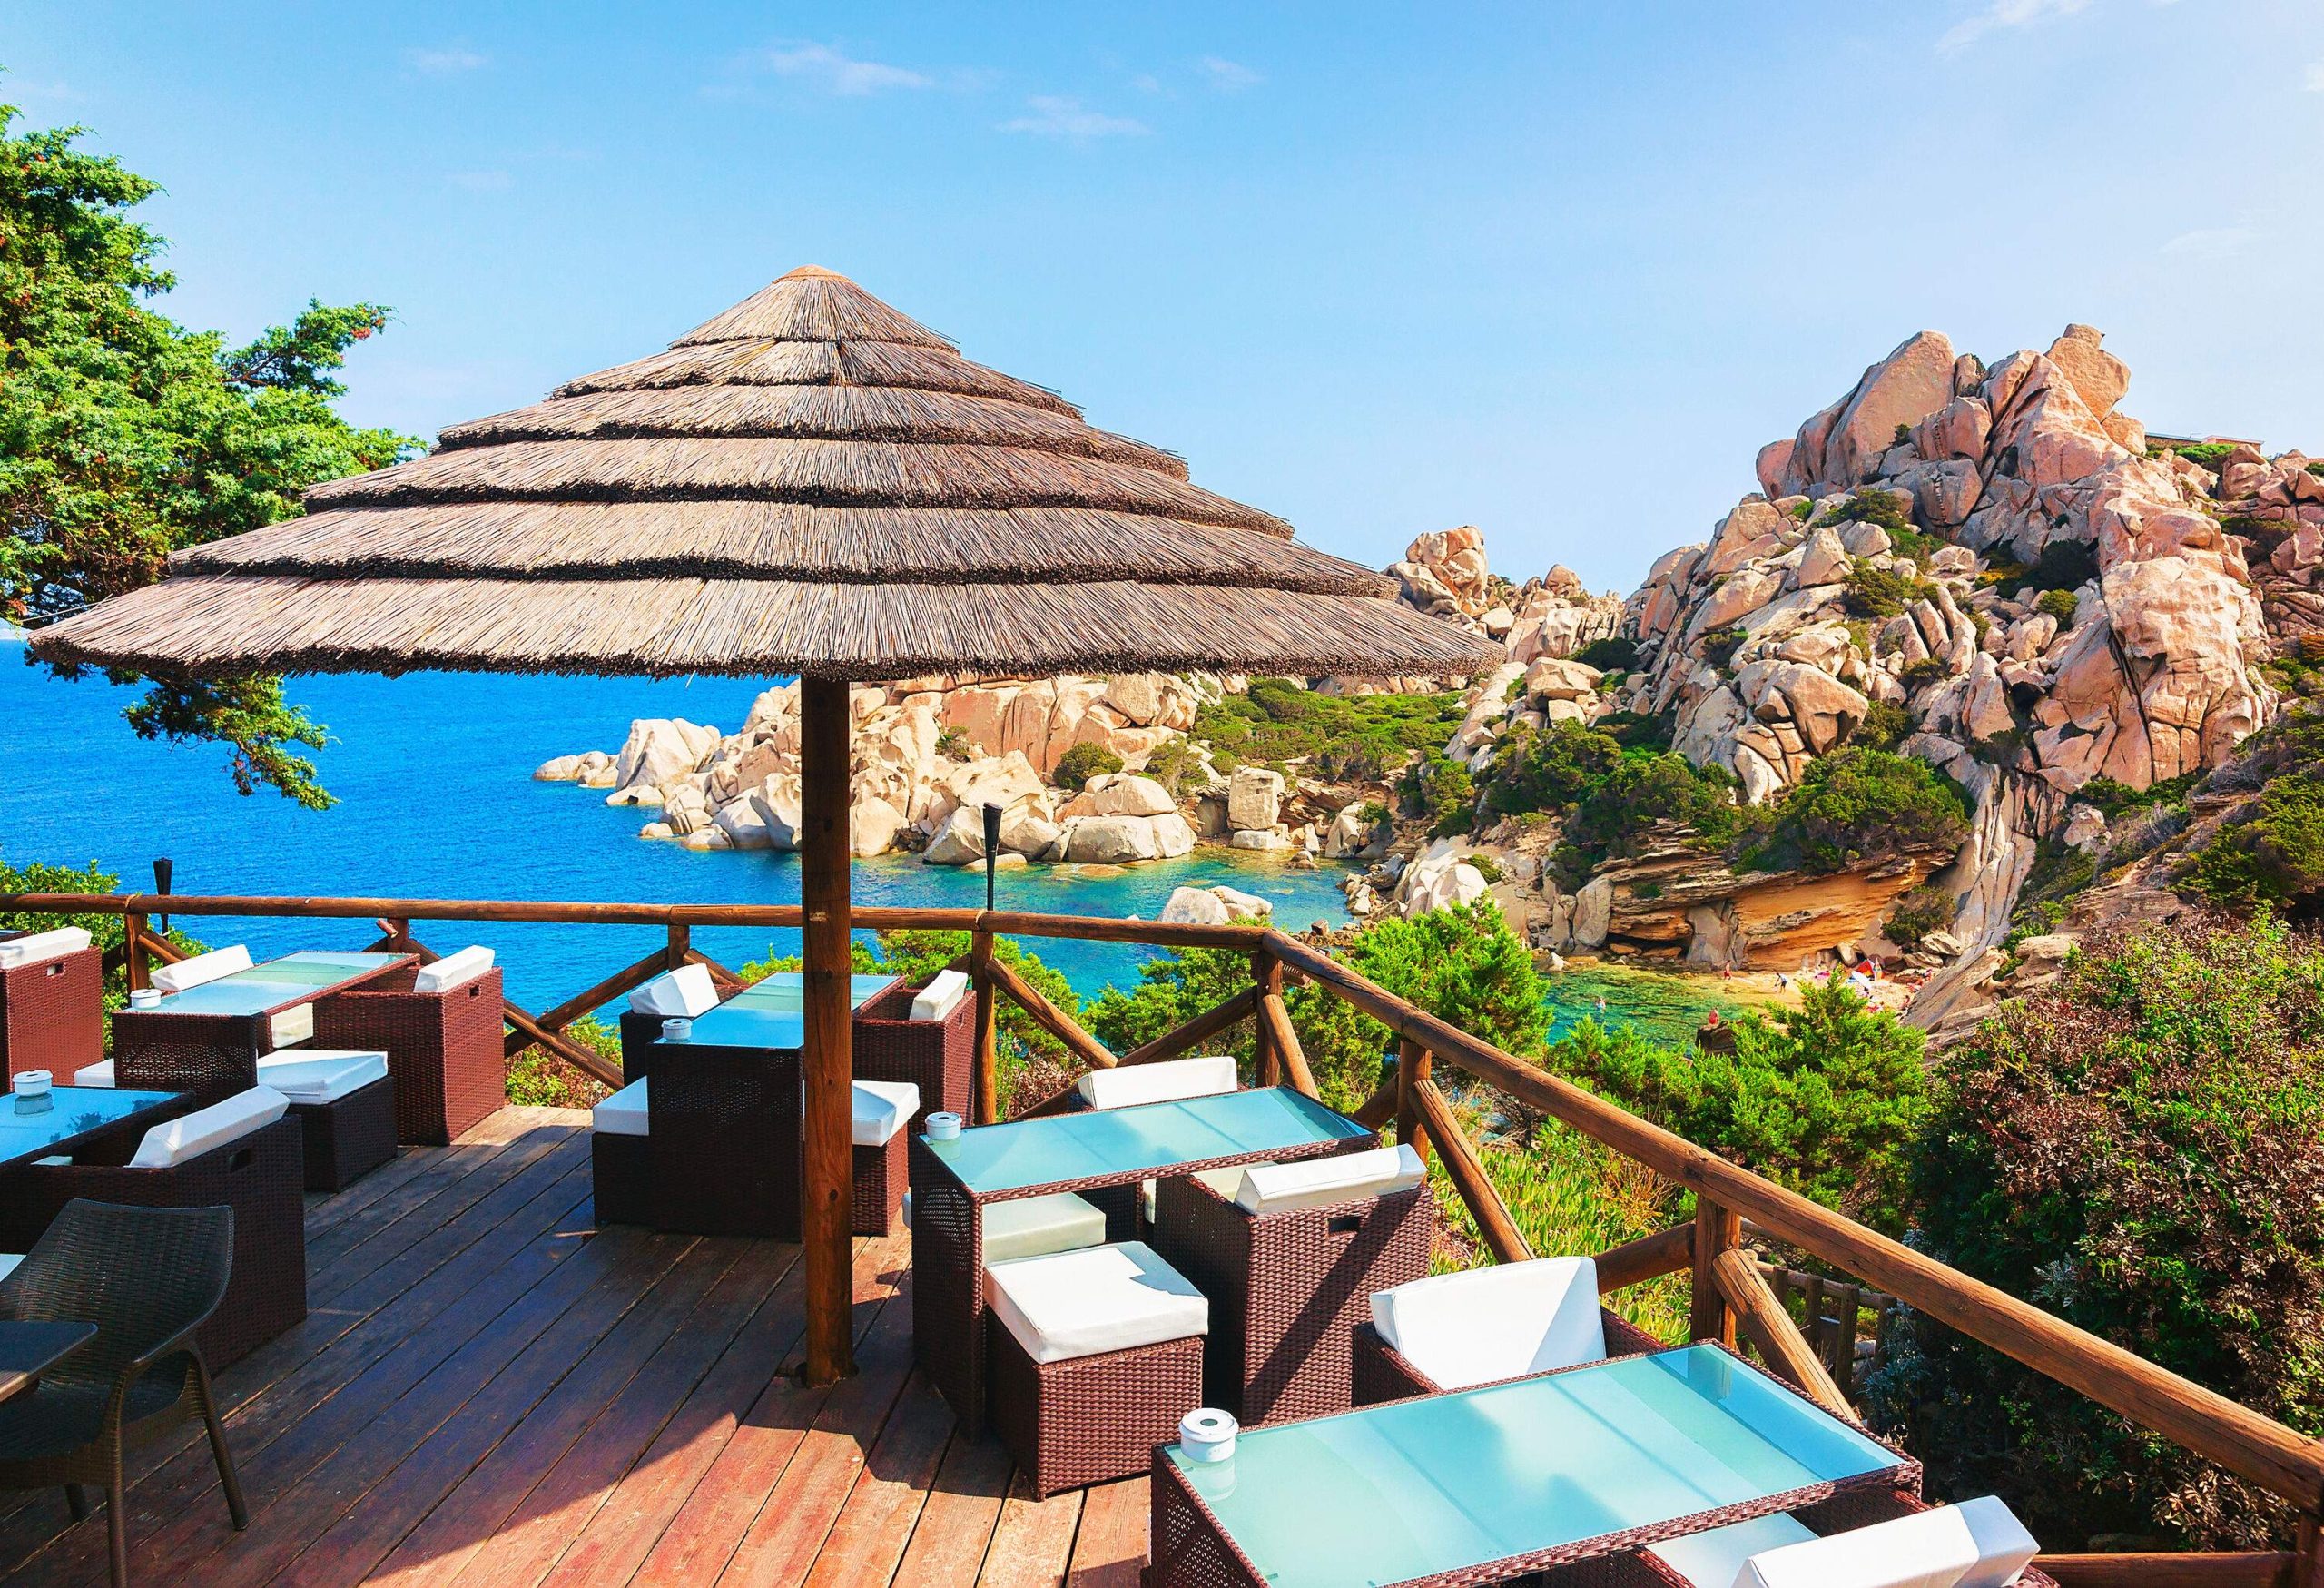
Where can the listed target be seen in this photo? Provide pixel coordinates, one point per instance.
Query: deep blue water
(433, 775)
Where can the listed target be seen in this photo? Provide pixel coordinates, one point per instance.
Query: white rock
(1350, 834)
(1195, 907)
(1123, 794)
(871, 827)
(1114, 840)
(659, 749)
(1593, 912)
(1253, 798)
(959, 840)
(1264, 840)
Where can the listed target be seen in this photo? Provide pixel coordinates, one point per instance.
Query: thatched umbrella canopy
(807, 483)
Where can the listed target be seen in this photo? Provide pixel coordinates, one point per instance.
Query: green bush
(1463, 965)
(2277, 856)
(1915, 915)
(1438, 786)
(1720, 645)
(1278, 720)
(1645, 787)
(954, 742)
(2060, 605)
(2210, 455)
(1882, 507)
(1885, 725)
(1854, 805)
(1918, 675)
(1486, 867)
(1548, 768)
(2136, 1148)
(1878, 592)
(1083, 762)
(1613, 654)
(1827, 1098)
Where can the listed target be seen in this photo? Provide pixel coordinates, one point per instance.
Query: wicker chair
(142, 1375)
(1383, 1373)
(257, 1174)
(938, 1055)
(1289, 1256)
(443, 1043)
(52, 1001)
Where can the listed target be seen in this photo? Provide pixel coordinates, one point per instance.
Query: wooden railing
(1732, 1295)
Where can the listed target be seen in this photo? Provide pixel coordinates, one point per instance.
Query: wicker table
(723, 1155)
(74, 1119)
(208, 1038)
(1494, 1483)
(953, 1182)
(28, 1350)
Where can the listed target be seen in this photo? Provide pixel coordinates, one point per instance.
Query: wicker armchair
(51, 1002)
(938, 1056)
(445, 1051)
(1382, 1373)
(257, 1175)
(142, 1375)
(1291, 1277)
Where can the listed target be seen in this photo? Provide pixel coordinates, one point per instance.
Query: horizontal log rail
(2243, 1569)
(2254, 1448)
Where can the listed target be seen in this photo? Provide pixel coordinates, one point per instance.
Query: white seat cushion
(940, 997)
(1978, 1544)
(35, 947)
(882, 1107)
(97, 1074)
(1711, 1560)
(454, 969)
(1157, 1083)
(289, 1027)
(320, 1075)
(624, 1113)
(1502, 1321)
(1278, 1187)
(206, 1129)
(687, 990)
(1100, 1298)
(201, 969)
(1029, 1227)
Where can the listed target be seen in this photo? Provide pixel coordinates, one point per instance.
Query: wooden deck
(491, 1391)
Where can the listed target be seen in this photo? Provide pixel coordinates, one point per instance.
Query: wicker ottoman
(1094, 1356)
(882, 1169)
(345, 1101)
(621, 1168)
(51, 1002)
(1289, 1256)
(445, 1049)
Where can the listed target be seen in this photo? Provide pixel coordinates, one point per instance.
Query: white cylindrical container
(32, 1083)
(943, 1127)
(1207, 1434)
(677, 1029)
(145, 998)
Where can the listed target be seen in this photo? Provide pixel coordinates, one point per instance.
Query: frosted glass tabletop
(1445, 1482)
(288, 980)
(68, 1111)
(772, 1014)
(1147, 1138)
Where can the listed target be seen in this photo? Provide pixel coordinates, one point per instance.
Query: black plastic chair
(146, 1277)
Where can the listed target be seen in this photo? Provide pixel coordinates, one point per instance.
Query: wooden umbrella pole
(824, 1167)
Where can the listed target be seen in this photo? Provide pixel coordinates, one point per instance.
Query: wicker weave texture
(445, 1051)
(1288, 1289)
(52, 1014)
(1080, 1422)
(211, 1056)
(937, 1056)
(724, 1143)
(259, 1177)
(621, 1177)
(349, 1137)
(880, 1175)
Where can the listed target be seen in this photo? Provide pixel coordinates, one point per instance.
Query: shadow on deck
(489, 1390)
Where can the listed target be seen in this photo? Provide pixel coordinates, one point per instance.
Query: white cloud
(482, 181)
(1055, 117)
(2002, 13)
(446, 62)
(2211, 243)
(837, 72)
(1229, 76)
(2313, 78)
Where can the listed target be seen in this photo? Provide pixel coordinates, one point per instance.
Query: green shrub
(1083, 762)
(2063, 565)
(2210, 455)
(2115, 798)
(953, 742)
(1548, 768)
(1278, 720)
(1613, 654)
(1885, 725)
(1827, 1098)
(1874, 506)
(1916, 914)
(1917, 676)
(1486, 867)
(2138, 1150)
(1854, 805)
(1803, 510)
(2277, 857)
(2060, 605)
(1645, 787)
(1437, 785)
(1720, 645)
(1878, 592)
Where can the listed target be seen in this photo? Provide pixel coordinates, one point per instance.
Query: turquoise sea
(433, 775)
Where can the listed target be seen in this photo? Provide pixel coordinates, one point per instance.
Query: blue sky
(1553, 270)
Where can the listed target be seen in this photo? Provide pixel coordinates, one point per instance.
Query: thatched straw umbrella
(808, 483)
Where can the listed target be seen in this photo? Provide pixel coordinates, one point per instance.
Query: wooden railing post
(132, 952)
(1266, 982)
(1467, 1171)
(681, 945)
(1717, 1230)
(1414, 1064)
(988, 1080)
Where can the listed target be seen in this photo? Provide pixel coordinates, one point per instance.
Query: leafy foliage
(1826, 1099)
(1611, 655)
(1916, 914)
(1872, 591)
(1719, 646)
(2277, 856)
(1856, 804)
(1885, 725)
(2060, 605)
(1280, 720)
(2209, 455)
(2136, 1148)
(123, 436)
(1548, 768)
(1438, 786)
(1083, 762)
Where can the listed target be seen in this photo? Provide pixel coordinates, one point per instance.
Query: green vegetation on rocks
(2276, 856)
(1855, 805)
(1872, 591)
(1352, 735)
(1083, 762)
(1613, 655)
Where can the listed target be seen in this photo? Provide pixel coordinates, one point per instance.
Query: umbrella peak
(815, 305)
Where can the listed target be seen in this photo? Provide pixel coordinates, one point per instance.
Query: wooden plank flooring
(489, 1392)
